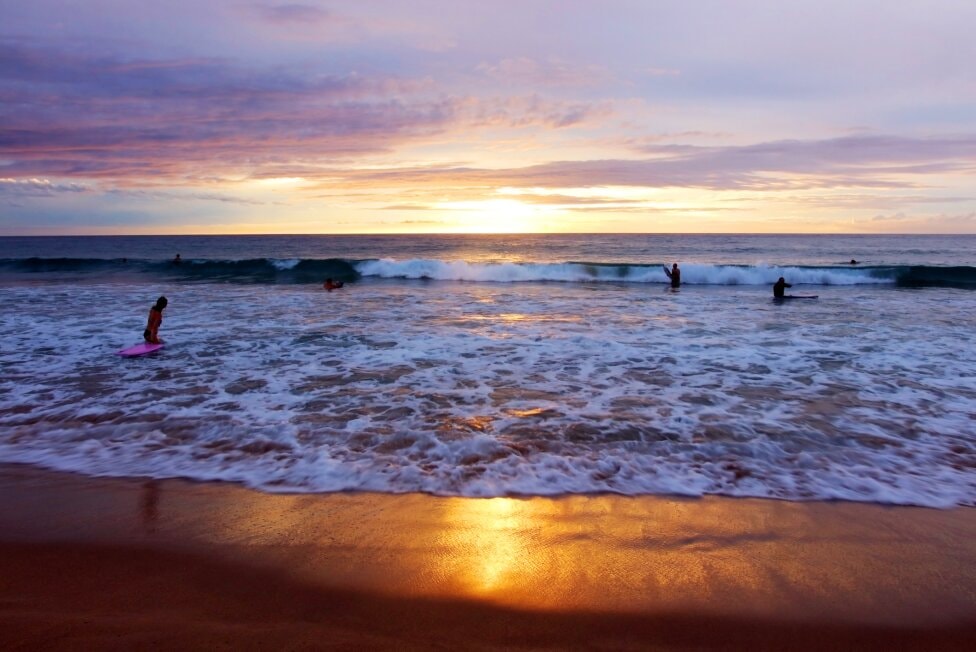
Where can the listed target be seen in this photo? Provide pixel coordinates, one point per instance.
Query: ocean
(500, 365)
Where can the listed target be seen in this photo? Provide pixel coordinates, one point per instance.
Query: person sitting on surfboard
(151, 334)
(332, 285)
(779, 288)
(674, 274)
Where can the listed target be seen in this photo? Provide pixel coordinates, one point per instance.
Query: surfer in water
(779, 288)
(177, 260)
(151, 334)
(674, 274)
(332, 285)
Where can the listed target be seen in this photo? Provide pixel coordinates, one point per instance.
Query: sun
(495, 216)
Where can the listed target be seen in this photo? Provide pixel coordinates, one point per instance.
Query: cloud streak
(38, 187)
(856, 161)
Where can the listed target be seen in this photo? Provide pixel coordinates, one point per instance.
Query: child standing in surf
(151, 334)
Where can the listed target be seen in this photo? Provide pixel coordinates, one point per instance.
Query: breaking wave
(307, 270)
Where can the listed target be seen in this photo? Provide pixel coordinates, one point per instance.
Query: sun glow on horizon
(278, 182)
(495, 216)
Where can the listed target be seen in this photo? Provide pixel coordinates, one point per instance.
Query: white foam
(691, 273)
(486, 389)
(284, 264)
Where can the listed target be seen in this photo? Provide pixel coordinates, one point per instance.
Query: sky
(458, 116)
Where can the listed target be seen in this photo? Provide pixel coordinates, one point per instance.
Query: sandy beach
(131, 564)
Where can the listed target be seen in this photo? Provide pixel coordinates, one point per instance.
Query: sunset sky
(238, 116)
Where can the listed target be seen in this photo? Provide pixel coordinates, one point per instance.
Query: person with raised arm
(674, 274)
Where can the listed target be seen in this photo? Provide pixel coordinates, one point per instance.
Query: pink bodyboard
(140, 349)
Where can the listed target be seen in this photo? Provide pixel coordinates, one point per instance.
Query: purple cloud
(856, 161)
(87, 116)
(38, 187)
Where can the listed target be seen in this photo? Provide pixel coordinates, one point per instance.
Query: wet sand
(131, 564)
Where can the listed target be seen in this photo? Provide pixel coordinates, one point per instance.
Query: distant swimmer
(332, 285)
(854, 262)
(779, 289)
(674, 274)
(151, 334)
(177, 260)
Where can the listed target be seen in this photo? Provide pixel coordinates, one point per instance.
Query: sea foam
(488, 389)
(593, 272)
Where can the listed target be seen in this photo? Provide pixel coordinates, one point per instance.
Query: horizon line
(447, 233)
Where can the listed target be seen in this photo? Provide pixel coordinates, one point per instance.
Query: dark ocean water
(712, 260)
(814, 250)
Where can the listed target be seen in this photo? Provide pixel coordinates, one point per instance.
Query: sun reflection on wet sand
(551, 554)
(493, 528)
(603, 553)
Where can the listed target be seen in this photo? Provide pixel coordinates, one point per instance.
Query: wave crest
(693, 274)
(313, 270)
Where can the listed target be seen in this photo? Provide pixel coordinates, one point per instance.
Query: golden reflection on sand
(493, 530)
(581, 552)
(574, 552)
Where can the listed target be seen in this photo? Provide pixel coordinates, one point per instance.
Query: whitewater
(487, 367)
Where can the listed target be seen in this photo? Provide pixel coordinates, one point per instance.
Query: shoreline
(116, 563)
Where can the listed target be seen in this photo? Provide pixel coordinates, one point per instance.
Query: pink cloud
(857, 161)
(104, 117)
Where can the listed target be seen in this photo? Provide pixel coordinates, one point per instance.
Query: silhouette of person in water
(853, 262)
(332, 285)
(779, 288)
(177, 260)
(674, 274)
(151, 334)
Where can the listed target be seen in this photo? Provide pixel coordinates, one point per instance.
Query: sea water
(500, 365)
